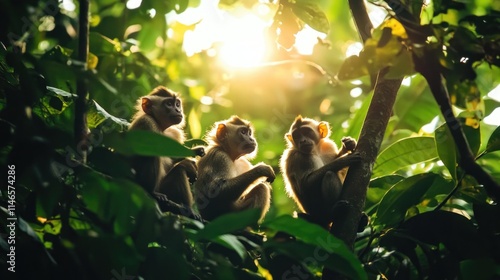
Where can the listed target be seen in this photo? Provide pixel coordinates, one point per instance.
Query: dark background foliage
(87, 219)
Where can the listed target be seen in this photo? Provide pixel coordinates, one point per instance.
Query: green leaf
(113, 164)
(227, 2)
(194, 123)
(118, 202)
(392, 209)
(61, 92)
(403, 153)
(402, 66)
(378, 187)
(494, 141)
(160, 262)
(145, 143)
(99, 44)
(473, 136)
(415, 106)
(181, 6)
(446, 149)
(356, 123)
(195, 142)
(312, 15)
(228, 223)
(479, 269)
(231, 242)
(455, 232)
(442, 6)
(97, 115)
(352, 67)
(317, 236)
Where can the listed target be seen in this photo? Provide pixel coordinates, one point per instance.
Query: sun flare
(243, 42)
(238, 37)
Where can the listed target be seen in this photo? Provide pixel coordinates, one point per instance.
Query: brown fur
(163, 175)
(313, 167)
(227, 181)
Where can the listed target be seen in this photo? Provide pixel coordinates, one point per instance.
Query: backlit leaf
(403, 153)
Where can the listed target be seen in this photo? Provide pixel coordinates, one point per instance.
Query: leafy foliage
(77, 220)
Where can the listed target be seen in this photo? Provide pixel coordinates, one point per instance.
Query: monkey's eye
(307, 132)
(177, 103)
(245, 131)
(170, 103)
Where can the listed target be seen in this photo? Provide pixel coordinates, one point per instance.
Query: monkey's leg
(259, 197)
(321, 209)
(176, 187)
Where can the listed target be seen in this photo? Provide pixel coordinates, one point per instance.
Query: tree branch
(345, 226)
(426, 61)
(80, 124)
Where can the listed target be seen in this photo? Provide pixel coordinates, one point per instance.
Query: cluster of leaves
(424, 207)
(82, 221)
(91, 221)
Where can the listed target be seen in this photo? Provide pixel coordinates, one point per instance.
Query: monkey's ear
(289, 137)
(323, 129)
(221, 131)
(146, 105)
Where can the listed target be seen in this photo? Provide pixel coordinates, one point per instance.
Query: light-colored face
(238, 139)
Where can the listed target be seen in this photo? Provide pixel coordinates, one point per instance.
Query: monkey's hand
(266, 171)
(348, 159)
(189, 166)
(348, 144)
(199, 151)
(167, 205)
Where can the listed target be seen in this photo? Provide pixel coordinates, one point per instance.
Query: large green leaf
(392, 209)
(228, 223)
(473, 136)
(311, 14)
(356, 123)
(231, 242)
(403, 153)
(446, 149)
(99, 44)
(353, 67)
(479, 269)
(415, 106)
(160, 262)
(119, 203)
(346, 262)
(378, 187)
(494, 141)
(96, 115)
(145, 143)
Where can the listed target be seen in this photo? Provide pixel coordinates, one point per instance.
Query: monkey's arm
(315, 178)
(231, 189)
(146, 172)
(167, 205)
(348, 145)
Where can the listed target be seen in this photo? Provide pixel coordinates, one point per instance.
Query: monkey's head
(235, 136)
(164, 106)
(305, 134)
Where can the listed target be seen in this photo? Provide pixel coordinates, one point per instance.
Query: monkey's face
(243, 141)
(173, 108)
(167, 111)
(305, 139)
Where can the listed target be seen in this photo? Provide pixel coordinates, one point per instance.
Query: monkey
(166, 179)
(227, 181)
(314, 168)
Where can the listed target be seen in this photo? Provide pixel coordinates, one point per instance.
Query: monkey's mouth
(306, 148)
(249, 148)
(176, 118)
